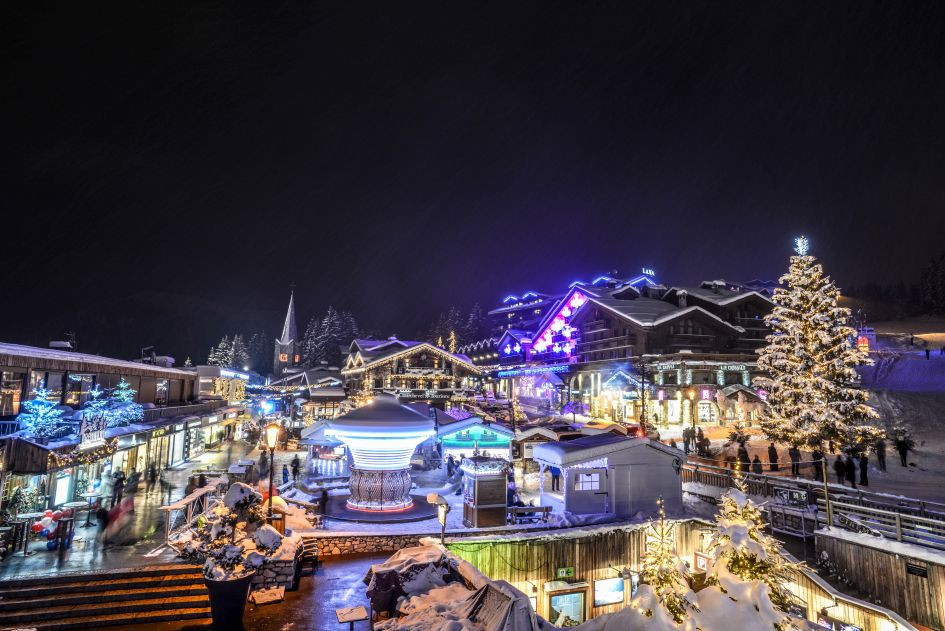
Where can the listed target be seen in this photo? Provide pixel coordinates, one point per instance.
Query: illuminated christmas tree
(452, 346)
(665, 574)
(42, 417)
(746, 562)
(121, 406)
(810, 362)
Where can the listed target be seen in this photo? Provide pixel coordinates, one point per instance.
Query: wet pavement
(142, 543)
(336, 584)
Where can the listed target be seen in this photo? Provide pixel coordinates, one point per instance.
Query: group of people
(846, 468)
(695, 440)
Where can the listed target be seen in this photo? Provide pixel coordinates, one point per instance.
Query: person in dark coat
(881, 453)
(849, 468)
(756, 466)
(296, 465)
(118, 488)
(285, 474)
(840, 469)
(743, 459)
(323, 503)
(152, 478)
(772, 457)
(795, 455)
(555, 479)
(864, 469)
(685, 440)
(819, 462)
(902, 446)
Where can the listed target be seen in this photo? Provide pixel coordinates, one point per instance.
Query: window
(160, 392)
(587, 482)
(11, 388)
(77, 389)
(296, 360)
(283, 357)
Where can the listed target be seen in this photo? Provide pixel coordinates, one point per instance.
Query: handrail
(198, 503)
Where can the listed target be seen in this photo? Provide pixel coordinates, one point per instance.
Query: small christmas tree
(742, 552)
(42, 417)
(188, 363)
(121, 406)
(810, 361)
(452, 342)
(665, 574)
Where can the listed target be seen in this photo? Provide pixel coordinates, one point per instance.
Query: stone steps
(104, 598)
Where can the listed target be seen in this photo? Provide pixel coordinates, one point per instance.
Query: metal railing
(903, 519)
(180, 516)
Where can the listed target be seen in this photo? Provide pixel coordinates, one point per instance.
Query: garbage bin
(64, 532)
(277, 521)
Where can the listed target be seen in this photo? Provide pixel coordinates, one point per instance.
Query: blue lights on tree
(42, 417)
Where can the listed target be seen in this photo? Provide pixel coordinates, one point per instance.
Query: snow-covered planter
(233, 542)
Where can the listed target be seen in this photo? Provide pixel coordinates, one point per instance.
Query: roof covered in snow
(385, 411)
(594, 447)
(19, 355)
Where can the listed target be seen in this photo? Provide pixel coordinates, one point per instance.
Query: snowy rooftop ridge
(593, 447)
(19, 350)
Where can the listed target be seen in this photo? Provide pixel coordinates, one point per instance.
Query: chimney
(60, 345)
(681, 297)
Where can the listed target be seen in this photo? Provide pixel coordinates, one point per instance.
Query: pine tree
(329, 337)
(222, 353)
(476, 327)
(741, 551)
(664, 571)
(349, 328)
(123, 392)
(42, 416)
(810, 362)
(452, 343)
(239, 354)
(260, 351)
(188, 363)
(310, 352)
(120, 408)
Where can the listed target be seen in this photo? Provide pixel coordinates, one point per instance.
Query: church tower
(287, 354)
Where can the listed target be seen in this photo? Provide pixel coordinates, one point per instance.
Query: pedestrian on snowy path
(819, 462)
(850, 469)
(902, 446)
(772, 457)
(881, 453)
(864, 469)
(756, 466)
(285, 474)
(296, 465)
(795, 455)
(840, 469)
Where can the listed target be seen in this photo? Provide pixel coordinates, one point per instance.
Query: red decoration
(36, 528)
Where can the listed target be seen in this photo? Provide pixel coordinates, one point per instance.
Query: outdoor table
(27, 519)
(90, 497)
(76, 507)
(351, 615)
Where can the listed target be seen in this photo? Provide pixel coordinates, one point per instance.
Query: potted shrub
(233, 543)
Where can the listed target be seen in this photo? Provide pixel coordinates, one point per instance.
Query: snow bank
(439, 617)
(237, 492)
(886, 545)
(450, 593)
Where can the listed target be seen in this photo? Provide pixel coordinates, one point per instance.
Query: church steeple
(286, 356)
(289, 331)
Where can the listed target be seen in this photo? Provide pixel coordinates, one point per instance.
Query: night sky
(167, 171)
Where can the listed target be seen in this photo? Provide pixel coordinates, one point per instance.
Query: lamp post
(272, 437)
(692, 407)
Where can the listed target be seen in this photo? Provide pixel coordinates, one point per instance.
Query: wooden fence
(179, 517)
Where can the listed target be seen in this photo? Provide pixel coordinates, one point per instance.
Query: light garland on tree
(665, 572)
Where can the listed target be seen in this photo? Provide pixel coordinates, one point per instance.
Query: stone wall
(355, 544)
(275, 574)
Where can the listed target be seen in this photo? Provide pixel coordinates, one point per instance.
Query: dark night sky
(167, 172)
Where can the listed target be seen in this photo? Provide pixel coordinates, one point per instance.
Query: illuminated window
(587, 482)
(283, 357)
(296, 360)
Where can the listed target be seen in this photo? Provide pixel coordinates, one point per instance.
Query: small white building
(613, 474)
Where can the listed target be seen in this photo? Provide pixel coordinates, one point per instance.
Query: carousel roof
(384, 412)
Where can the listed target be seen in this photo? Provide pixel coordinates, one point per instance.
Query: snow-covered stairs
(104, 598)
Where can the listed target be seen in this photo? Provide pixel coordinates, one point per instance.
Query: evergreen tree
(260, 351)
(452, 342)
(349, 329)
(188, 363)
(810, 362)
(42, 416)
(329, 337)
(932, 285)
(665, 573)
(310, 350)
(239, 354)
(476, 327)
(121, 408)
(222, 354)
(742, 552)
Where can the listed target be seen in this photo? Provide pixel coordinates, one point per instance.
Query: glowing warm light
(272, 435)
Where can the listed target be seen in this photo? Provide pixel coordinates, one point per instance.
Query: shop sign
(91, 432)
(733, 367)
(158, 432)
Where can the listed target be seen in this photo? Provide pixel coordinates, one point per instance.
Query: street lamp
(442, 510)
(272, 437)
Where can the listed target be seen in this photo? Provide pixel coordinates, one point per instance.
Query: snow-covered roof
(325, 392)
(13, 354)
(385, 411)
(594, 447)
(717, 295)
(360, 361)
(473, 421)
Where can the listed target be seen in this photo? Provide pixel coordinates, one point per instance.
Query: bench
(309, 552)
(518, 514)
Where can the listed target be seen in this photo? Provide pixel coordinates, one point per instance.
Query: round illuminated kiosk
(381, 438)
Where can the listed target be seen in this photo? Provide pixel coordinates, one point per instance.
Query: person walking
(772, 457)
(756, 466)
(849, 468)
(864, 469)
(819, 460)
(903, 447)
(928, 352)
(743, 459)
(152, 478)
(685, 440)
(795, 455)
(880, 448)
(285, 474)
(840, 469)
(296, 465)
(555, 479)
(118, 488)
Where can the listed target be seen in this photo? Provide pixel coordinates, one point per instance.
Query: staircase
(156, 593)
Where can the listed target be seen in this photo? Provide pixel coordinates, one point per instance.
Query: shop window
(587, 482)
(567, 610)
(77, 389)
(160, 392)
(11, 391)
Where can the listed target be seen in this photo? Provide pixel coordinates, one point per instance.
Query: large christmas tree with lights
(42, 415)
(810, 362)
